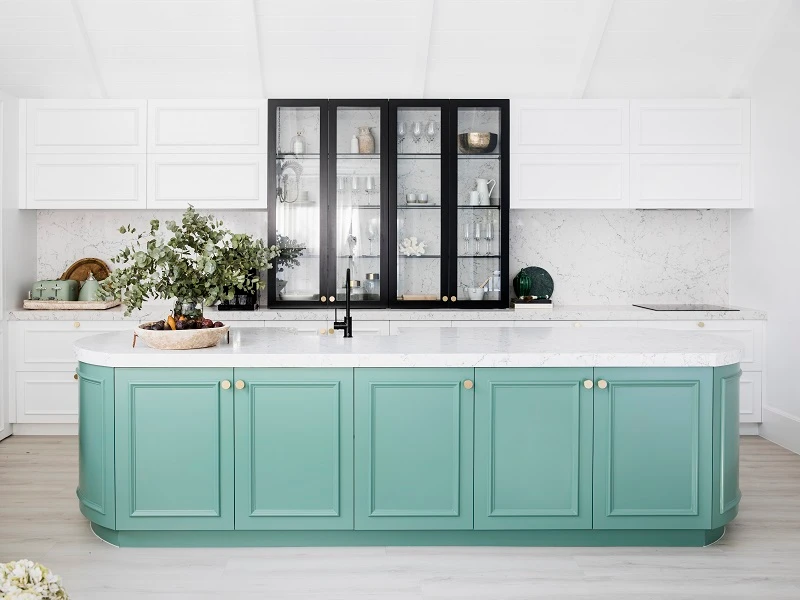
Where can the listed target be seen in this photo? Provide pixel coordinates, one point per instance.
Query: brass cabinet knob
(240, 385)
(468, 384)
(331, 330)
(701, 324)
(331, 298)
(452, 298)
(577, 324)
(588, 384)
(323, 331)
(226, 385)
(323, 299)
(444, 298)
(75, 377)
(76, 324)
(602, 384)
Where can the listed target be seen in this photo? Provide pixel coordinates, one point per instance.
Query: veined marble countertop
(559, 313)
(429, 347)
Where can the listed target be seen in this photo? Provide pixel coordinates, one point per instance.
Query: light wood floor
(759, 557)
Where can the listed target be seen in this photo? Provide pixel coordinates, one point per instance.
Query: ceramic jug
(89, 289)
(483, 189)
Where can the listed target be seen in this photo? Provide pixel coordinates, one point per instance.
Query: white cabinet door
(750, 396)
(690, 126)
(207, 181)
(569, 181)
(569, 126)
(207, 126)
(85, 127)
(85, 181)
(46, 396)
(690, 181)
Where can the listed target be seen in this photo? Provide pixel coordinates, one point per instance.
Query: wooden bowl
(185, 339)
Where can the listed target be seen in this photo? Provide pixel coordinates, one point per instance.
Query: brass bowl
(477, 142)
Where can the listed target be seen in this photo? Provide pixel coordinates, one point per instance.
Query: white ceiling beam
(423, 45)
(774, 17)
(252, 47)
(595, 19)
(80, 39)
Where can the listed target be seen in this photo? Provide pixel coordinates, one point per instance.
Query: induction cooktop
(698, 307)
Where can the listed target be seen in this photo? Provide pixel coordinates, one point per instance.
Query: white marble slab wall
(595, 257)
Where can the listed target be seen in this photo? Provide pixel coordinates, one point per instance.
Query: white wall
(765, 242)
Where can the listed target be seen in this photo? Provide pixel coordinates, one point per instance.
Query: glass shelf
(479, 156)
(471, 256)
(421, 256)
(421, 206)
(479, 206)
(359, 156)
(420, 156)
(283, 155)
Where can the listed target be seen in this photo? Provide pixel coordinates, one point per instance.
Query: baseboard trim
(781, 428)
(749, 429)
(45, 429)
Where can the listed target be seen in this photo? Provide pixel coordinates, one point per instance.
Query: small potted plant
(196, 262)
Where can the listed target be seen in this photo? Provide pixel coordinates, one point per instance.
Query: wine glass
(372, 230)
(430, 132)
(477, 238)
(467, 236)
(354, 188)
(402, 131)
(416, 131)
(369, 187)
(488, 235)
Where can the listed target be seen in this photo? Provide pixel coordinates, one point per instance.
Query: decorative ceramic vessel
(187, 339)
(366, 143)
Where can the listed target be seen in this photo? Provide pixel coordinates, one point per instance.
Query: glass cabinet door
(358, 148)
(298, 203)
(481, 199)
(419, 202)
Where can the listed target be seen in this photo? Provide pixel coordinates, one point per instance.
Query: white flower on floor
(411, 247)
(26, 580)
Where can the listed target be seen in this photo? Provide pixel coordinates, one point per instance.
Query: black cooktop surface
(698, 307)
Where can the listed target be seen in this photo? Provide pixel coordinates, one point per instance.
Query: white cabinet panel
(207, 126)
(690, 181)
(46, 397)
(750, 397)
(93, 181)
(690, 126)
(569, 126)
(569, 181)
(85, 126)
(207, 181)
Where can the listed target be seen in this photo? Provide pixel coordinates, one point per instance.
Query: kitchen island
(493, 436)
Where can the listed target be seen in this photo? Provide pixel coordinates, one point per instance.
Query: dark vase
(522, 284)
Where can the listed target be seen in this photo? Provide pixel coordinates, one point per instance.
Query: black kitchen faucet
(347, 323)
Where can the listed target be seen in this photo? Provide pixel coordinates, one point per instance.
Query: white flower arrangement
(26, 580)
(411, 247)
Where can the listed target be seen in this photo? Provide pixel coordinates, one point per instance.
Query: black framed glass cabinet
(411, 195)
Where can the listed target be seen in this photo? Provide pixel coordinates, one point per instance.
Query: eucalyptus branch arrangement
(196, 259)
(289, 253)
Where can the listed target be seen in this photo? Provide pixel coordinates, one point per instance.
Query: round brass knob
(331, 330)
(225, 385)
(331, 299)
(452, 298)
(444, 298)
(577, 324)
(323, 299)
(76, 324)
(588, 384)
(468, 384)
(602, 384)
(701, 324)
(75, 377)
(323, 331)
(240, 385)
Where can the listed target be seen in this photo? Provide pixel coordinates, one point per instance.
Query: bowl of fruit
(181, 334)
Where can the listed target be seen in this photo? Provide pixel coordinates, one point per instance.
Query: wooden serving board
(69, 304)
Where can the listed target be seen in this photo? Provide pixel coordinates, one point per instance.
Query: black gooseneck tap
(345, 324)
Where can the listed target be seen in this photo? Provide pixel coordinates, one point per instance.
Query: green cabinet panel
(294, 449)
(413, 448)
(652, 460)
(533, 448)
(96, 444)
(726, 493)
(174, 448)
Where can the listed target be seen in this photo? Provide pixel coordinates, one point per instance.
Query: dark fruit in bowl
(218, 324)
(180, 325)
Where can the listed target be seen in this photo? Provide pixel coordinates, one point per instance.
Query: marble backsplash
(594, 256)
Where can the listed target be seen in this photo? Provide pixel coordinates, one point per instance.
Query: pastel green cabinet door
(413, 448)
(726, 493)
(294, 449)
(652, 460)
(533, 448)
(96, 444)
(174, 448)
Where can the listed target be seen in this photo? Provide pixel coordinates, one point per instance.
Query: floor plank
(758, 557)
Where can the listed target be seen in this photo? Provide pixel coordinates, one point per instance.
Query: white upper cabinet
(207, 126)
(85, 126)
(569, 126)
(690, 126)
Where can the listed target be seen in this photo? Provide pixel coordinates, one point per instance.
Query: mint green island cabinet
(408, 455)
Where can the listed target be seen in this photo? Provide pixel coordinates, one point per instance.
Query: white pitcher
(484, 191)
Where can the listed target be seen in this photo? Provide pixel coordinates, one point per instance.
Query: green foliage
(199, 258)
(289, 252)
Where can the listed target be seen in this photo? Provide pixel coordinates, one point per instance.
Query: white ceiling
(386, 48)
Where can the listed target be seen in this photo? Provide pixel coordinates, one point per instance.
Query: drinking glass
(369, 187)
(416, 131)
(372, 231)
(354, 188)
(477, 238)
(430, 132)
(402, 131)
(467, 236)
(488, 235)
